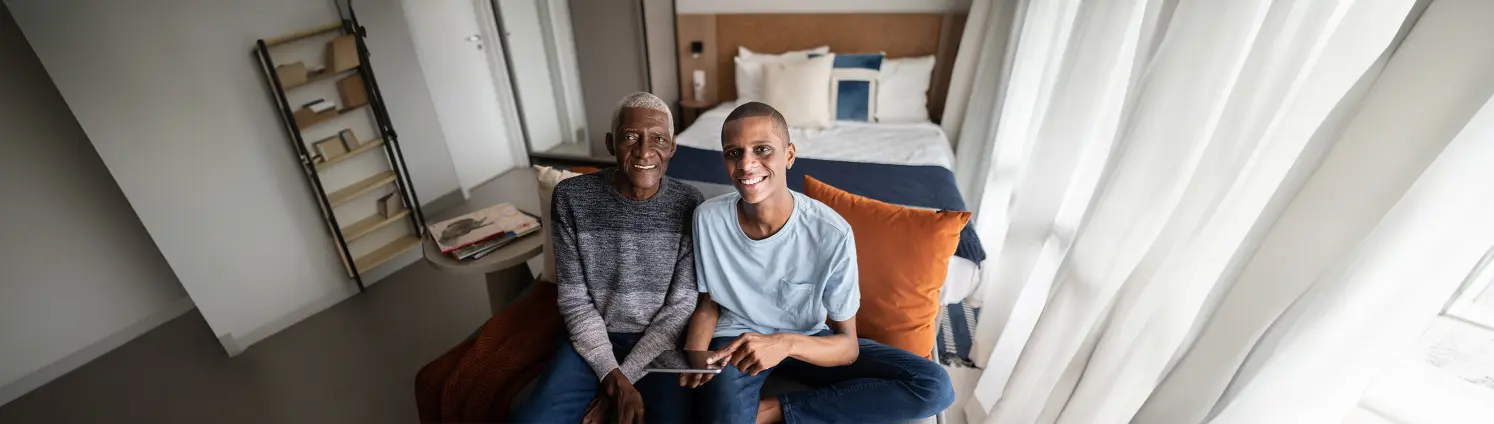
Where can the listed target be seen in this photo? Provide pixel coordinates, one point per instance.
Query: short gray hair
(641, 100)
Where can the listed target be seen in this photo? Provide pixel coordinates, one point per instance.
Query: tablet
(684, 362)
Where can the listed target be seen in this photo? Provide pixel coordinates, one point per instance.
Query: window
(1448, 376)
(1475, 303)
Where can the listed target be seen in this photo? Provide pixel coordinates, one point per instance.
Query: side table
(507, 269)
(691, 109)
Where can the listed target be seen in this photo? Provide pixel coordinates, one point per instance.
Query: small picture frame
(330, 148)
(349, 140)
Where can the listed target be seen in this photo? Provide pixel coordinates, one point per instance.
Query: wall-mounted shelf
(367, 146)
(368, 225)
(322, 118)
(320, 76)
(347, 52)
(304, 34)
(362, 187)
(384, 254)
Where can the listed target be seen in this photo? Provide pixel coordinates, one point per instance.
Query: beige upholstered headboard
(897, 34)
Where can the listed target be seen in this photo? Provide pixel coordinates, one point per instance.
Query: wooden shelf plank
(319, 76)
(384, 254)
(365, 148)
(347, 194)
(303, 125)
(368, 225)
(306, 33)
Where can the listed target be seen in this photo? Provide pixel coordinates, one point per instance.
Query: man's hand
(693, 380)
(698, 359)
(596, 412)
(629, 402)
(753, 353)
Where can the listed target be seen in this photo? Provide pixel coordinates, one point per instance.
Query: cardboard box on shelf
(352, 91)
(307, 117)
(330, 148)
(391, 204)
(291, 74)
(342, 53)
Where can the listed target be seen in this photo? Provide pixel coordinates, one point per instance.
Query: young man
(626, 278)
(772, 265)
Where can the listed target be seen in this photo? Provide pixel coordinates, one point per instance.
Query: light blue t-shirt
(789, 282)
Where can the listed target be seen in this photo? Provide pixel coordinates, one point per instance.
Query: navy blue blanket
(927, 186)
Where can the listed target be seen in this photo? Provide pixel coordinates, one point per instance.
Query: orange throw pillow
(903, 254)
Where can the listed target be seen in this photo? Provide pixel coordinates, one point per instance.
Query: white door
(454, 55)
(532, 76)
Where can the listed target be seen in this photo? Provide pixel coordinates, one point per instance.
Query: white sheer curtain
(1136, 143)
(1320, 356)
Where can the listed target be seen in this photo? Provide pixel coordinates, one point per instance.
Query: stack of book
(477, 234)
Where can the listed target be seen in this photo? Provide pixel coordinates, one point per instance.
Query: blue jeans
(885, 384)
(565, 388)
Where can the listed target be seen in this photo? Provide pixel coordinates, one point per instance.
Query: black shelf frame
(385, 127)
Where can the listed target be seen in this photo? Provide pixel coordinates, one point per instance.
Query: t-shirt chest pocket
(799, 302)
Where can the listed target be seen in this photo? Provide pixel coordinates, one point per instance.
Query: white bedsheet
(897, 144)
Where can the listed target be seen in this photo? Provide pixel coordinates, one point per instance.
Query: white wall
(533, 80)
(821, 6)
(178, 110)
(79, 275)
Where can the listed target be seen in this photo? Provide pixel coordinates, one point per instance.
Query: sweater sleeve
(664, 332)
(588, 330)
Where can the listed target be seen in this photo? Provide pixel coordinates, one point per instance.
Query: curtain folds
(1119, 154)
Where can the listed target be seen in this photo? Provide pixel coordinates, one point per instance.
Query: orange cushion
(903, 254)
(584, 169)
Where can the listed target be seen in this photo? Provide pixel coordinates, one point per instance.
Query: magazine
(484, 224)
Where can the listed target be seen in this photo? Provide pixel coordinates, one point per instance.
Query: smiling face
(756, 155)
(642, 144)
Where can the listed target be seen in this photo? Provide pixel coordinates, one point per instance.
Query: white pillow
(902, 89)
(549, 177)
(800, 91)
(750, 69)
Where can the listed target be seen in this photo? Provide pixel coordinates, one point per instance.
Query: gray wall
(79, 275)
(663, 71)
(610, 55)
(177, 108)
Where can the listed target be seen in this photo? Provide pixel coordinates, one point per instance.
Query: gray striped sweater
(623, 266)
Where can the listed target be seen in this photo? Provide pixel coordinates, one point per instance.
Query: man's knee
(930, 384)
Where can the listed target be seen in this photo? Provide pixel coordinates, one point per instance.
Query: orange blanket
(476, 381)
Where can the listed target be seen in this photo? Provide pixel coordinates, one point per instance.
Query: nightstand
(690, 109)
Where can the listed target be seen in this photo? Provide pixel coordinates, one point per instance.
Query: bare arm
(698, 337)
(835, 350)
(702, 323)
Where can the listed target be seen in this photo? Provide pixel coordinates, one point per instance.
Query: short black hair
(760, 109)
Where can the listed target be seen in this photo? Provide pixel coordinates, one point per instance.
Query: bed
(908, 164)
(905, 164)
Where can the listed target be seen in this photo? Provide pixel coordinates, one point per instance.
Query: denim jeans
(565, 388)
(885, 384)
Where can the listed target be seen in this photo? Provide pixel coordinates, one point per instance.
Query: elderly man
(626, 278)
(773, 265)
